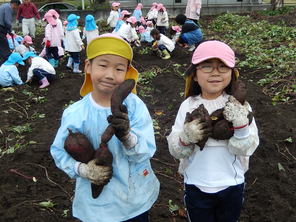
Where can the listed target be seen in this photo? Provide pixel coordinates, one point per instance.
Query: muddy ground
(30, 118)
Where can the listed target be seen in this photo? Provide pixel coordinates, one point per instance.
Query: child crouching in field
(175, 33)
(9, 74)
(128, 31)
(25, 46)
(191, 34)
(40, 69)
(145, 35)
(213, 176)
(90, 30)
(133, 187)
(73, 43)
(163, 46)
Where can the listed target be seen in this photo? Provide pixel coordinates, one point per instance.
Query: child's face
(213, 76)
(107, 72)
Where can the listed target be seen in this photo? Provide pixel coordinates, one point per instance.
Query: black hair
(15, 1)
(195, 89)
(180, 19)
(154, 32)
(172, 31)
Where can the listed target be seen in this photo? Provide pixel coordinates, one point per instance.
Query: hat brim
(87, 86)
(229, 64)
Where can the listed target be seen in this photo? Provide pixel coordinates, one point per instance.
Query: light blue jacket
(146, 37)
(9, 75)
(118, 25)
(133, 187)
(137, 13)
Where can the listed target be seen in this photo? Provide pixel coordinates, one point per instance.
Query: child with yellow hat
(133, 187)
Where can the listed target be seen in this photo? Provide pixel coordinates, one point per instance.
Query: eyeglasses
(209, 68)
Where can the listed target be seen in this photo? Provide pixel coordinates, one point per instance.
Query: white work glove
(194, 132)
(236, 113)
(96, 174)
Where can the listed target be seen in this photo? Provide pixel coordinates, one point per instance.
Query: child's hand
(97, 174)
(236, 113)
(120, 123)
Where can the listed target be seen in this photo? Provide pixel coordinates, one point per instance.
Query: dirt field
(30, 118)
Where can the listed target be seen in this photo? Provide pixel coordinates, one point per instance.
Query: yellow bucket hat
(113, 45)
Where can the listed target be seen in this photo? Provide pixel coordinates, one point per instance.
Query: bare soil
(270, 181)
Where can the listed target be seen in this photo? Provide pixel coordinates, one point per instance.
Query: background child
(14, 40)
(108, 64)
(114, 16)
(150, 26)
(214, 176)
(138, 13)
(175, 33)
(163, 45)
(73, 43)
(128, 31)
(90, 30)
(53, 40)
(191, 33)
(162, 21)
(124, 16)
(145, 35)
(9, 74)
(55, 14)
(152, 14)
(26, 46)
(40, 69)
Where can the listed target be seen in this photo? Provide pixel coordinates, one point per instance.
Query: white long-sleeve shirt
(90, 35)
(152, 14)
(216, 167)
(162, 19)
(112, 19)
(167, 42)
(127, 32)
(40, 63)
(73, 41)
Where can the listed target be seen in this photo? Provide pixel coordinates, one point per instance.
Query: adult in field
(6, 16)
(193, 10)
(27, 13)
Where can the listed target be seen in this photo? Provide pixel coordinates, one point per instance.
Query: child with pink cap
(25, 46)
(138, 13)
(162, 21)
(213, 159)
(53, 39)
(124, 15)
(149, 25)
(144, 35)
(175, 33)
(113, 16)
(152, 14)
(128, 31)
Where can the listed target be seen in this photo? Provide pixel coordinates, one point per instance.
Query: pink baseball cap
(50, 19)
(214, 49)
(176, 28)
(28, 39)
(132, 20)
(149, 22)
(141, 29)
(115, 4)
(125, 12)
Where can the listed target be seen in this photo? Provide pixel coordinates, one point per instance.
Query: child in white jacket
(163, 46)
(40, 69)
(73, 43)
(90, 30)
(128, 31)
(162, 21)
(114, 16)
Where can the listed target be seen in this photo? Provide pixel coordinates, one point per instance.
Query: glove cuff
(130, 140)
(183, 139)
(242, 133)
(76, 166)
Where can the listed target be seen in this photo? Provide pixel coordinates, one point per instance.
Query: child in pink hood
(162, 22)
(53, 40)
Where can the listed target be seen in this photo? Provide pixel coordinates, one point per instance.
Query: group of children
(136, 28)
(213, 176)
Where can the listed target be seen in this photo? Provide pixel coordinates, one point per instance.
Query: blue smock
(9, 75)
(133, 187)
(137, 13)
